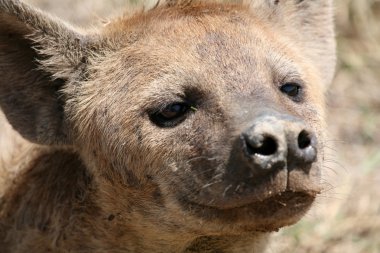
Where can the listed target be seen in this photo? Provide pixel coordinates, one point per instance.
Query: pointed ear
(38, 55)
(309, 24)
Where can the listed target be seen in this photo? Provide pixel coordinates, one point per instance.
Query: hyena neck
(153, 225)
(62, 202)
(253, 243)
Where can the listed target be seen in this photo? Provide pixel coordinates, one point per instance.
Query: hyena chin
(190, 127)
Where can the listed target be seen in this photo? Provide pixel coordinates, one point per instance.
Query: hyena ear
(38, 54)
(309, 24)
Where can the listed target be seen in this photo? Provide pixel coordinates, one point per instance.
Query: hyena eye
(173, 111)
(171, 115)
(293, 90)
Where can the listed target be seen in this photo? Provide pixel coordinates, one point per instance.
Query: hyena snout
(274, 160)
(273, 143)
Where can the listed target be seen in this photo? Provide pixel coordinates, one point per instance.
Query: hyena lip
(266, 204)
(227, 194)
(284, 199)
(278, 211)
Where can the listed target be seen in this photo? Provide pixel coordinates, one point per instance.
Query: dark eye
(293, 90)
(171, 115)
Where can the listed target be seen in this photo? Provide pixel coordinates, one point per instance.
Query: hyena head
(203, 116)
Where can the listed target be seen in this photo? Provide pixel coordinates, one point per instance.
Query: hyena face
(222, 114)
(208, 117)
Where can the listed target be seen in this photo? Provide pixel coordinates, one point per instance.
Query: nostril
(304, 139)
(267, 146)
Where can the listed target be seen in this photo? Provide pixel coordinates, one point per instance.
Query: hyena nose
(275, 143)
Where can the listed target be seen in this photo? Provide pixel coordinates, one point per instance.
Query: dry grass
(347, 217)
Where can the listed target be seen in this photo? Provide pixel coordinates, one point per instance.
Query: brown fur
(103, 177)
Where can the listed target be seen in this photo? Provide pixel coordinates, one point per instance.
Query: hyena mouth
(234, 194)
(281, 210)
(267, 207)
(267, 203)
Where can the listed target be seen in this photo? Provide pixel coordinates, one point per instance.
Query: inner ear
(38, 55)
(33, 105)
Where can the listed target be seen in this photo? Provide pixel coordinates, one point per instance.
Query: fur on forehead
(308, 23)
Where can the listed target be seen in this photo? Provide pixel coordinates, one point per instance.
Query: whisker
(334, 141)
(225, 190)
(330, 169)
(210, 184)
(202, 157)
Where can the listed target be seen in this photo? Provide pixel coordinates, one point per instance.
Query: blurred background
(346, 218)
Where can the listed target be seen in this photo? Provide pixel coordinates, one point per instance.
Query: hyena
(190, 127)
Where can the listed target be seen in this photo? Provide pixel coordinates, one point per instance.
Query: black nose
(275, 142)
